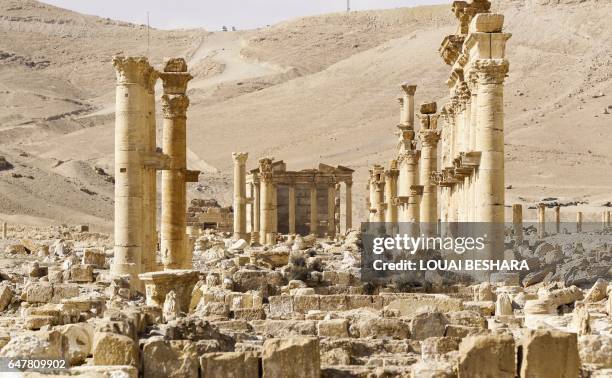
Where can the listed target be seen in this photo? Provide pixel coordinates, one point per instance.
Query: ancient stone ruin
(278, 290)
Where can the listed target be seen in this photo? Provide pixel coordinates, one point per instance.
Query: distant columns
(175, 252)
(292, 207)
(314, 210)
(266, 201)
(579, 221)
(517, 223)
(240, 159)
(349, 205)
(256, 212)
(541, 220)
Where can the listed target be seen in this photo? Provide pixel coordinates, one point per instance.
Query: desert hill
(310, 90)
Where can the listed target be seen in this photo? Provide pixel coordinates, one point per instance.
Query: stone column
(266, 201)
(579, 221)
(174, 249)
(607, 219)
(275, 208)
(256, 212)
(517, 222)
(4, 231)
(391, 176)
(408, 104)
(149, 197)
(558, 219)
(130, 119)
(490, 139)
(379, 215)
(429, 136)
(240, 159)
(314, 210)
(292, 207)
(541, 220)
(331, 210)
(348, 205)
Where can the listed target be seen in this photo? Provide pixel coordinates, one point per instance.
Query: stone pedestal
(240, 200)
(175, 254)
(159, 284)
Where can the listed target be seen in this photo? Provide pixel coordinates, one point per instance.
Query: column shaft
(348, 204)
(517, 222)
(331, 210)
(240, 195)
(541, 220)
(292, 208)
(314, 210)
(266, 201)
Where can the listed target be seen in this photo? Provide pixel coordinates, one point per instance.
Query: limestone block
(484, 308)
(281, 306)
(81, 273)
(506, 279)
(282, 328)
(114, 349)
(305, 303)
(38, 292)
(467, 318)
(539, 306)
(359, 301)
(487, 356)
(230, 365)
(411, 304)
(381, 328)
(596, 350)
(549, 353)
(94, 258)
(428, 324)
(35, 322)
(487, 23)
(249, 313)
(6, 296)
(429, 108)
(170, 358)
(80, 342)
(291, 357)
(39, 344)
(433, 369)
(333, 303)
(597, 291)
(333, 328)
(105, 371)
(64, 291)
(484, 292)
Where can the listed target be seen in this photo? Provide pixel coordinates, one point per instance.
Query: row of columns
(137, 162)
(264, 204)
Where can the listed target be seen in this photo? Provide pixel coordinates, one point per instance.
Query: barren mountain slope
(317, 89)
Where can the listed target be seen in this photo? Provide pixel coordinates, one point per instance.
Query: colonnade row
(137, 160)
(256, 200)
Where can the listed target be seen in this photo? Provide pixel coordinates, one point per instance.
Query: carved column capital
(491, 71)
(240, 158)
(131, 70)
(265, 170)
(150, 78)
(409, 89)
(429, 138)
(174, 106)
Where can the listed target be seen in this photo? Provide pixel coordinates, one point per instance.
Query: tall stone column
(579, 221)
(348, 205)
(541, 220)
(255, 238)
(130, 124)
(174, 249)
(429, 135)
(558, 219)
(266, 233)
(391, 176)
(275, 208)
(240, 159)
(379, 215)
(292, 207)
(314, 210)
(331, 210)
(607, 219)
(604, 222)
(149, 197)
(517, 222)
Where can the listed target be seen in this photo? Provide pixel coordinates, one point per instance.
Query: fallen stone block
(428, 324)
(114, 349)
(230, 364)
(291, 357)
(549, 353)
(170, 359)
(487, 356)
(6, 296)
(337, 328)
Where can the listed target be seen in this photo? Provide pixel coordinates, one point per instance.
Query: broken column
(541, 220)
(266, 221)
(517, 223)
(240, 200)
(174, 249)
(429, 136)
(130, 119)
